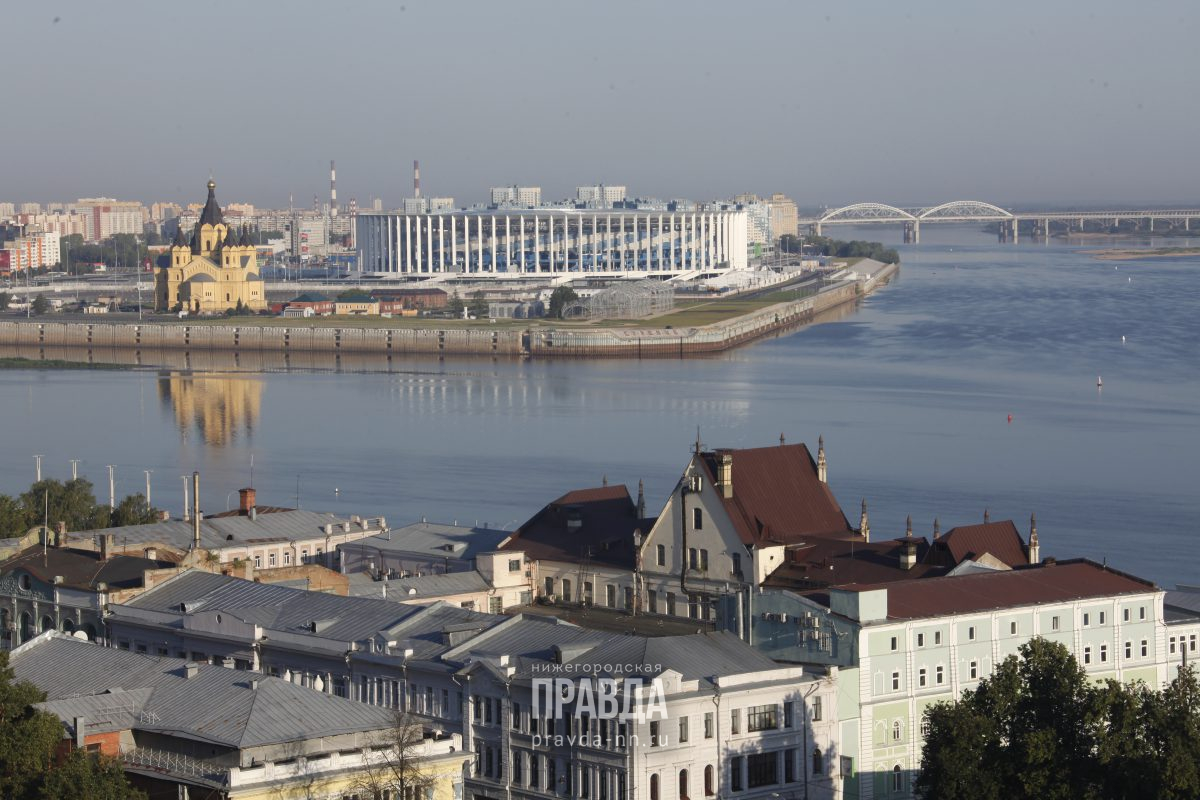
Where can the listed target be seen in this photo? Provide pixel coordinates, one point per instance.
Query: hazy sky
(913, 103)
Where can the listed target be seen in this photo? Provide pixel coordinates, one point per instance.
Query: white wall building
(521, 196)
(600, 196)
(559, 241)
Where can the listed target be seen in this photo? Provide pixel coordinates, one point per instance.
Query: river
(912, 393)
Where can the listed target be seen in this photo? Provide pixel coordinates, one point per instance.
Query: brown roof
(830, 562)
(984, 591)
(607, 518)
(777, 498)
(81, 569)
(1001, 539)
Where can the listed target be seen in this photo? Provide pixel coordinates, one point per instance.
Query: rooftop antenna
(699, 446)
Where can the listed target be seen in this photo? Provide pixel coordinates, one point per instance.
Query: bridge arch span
(867, 212)
(973, 209)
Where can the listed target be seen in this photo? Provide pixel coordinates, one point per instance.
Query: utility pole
(185, 478)
(112, 497)
(148, 472)
(37, 459)
(74, 469)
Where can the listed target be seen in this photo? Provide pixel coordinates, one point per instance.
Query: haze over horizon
(909, 104)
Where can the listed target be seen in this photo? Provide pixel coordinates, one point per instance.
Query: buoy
(1010, 419)
(1099, 381)
(1131, 280)
(1122, 340)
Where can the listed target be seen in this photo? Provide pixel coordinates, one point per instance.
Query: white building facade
(552, 242)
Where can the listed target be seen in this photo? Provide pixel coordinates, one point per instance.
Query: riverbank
(1124, 254)
(664, 340)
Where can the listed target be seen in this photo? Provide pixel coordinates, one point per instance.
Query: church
(216, 271)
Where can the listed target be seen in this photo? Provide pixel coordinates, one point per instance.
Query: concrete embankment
(45, 336)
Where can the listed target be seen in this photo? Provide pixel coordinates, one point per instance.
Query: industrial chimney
(195, 510)
(417, 179)
(332, 190)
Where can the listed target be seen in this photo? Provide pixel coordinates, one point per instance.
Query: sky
(910, 103)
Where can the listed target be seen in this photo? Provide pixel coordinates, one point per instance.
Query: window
(939, 675)
(516, 716)
(737, 564)
(1087, 655)
(548, 588)
(974, 668)
(517, 767)
(1129, 649)
(895, 681)
(897, 779)
(683, 729)
(762, 769)
(1103, 653)
(735, 773)
(1145, 649)
(535, 776)
(709, 782)
(683, 784)
(816, 708)
(818, 761)
(897, 730)
(971, 633)
(735, 721)
(495, 605)
(693, 558)
(1012, 628)
(654, 733)
(937, 637)
(1141, 612)
(1054, 623)
(697, 519)
(925, 728)
(893, 643)
(921, 677)
(1191, 643)
(652, 596)
(1086, 618)
(1101, 617)
(287, 558)
(708, 725)
(703, 560)
(258, 562)
(654, 786)
(787, 714)
(1172, 645)
(671, 603)
(566, 589)
(610, 595)
(761, 718)
(514, 565)
(660, 552)
(920, 640)
(1125, 614)
(271, 560)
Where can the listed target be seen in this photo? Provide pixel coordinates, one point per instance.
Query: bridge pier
(912, 232)
(1009, 230)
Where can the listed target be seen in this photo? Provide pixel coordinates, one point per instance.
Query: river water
(912, 393)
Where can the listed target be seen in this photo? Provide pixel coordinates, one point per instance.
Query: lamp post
(148, 473)
(74, 469)
(37, 460)
(112, 497)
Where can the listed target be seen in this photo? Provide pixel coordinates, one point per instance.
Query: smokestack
(417, 179)
(332, 190)
(195, 510)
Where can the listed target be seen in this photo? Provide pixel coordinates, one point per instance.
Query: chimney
(725, 473)
(987, 518)
(195, 510)
(191, 669)
(152, 553)
(1035, 549)
(80, 732)
(164, 516)
(246, 500)
(908, 549)
(106, 546)
(937, 529)
(821, 467)
(60, 534)
(864, 527)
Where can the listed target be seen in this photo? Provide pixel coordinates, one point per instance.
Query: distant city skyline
(912, 104)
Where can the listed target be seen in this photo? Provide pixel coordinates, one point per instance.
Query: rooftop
(422, 588)
(593, 525)
(119, 690)
(82, 569)
(434, 541)
(1060, 582)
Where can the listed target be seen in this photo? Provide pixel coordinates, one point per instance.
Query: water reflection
(218, 408)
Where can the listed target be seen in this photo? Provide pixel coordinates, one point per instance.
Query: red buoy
(1010, 419)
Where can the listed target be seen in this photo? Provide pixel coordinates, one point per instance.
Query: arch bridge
(979, 211)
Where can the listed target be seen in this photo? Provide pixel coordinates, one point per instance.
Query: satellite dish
(81, 635)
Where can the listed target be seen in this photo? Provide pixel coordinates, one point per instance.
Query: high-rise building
(523, 196)
(7, 210)
(785, 219)
(600, 196)
(104, 217)
(31, 208)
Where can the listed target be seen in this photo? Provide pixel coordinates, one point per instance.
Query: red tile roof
(986, 591)
(828, 562)
(1001, 539)
(607, 519)
(777, 498)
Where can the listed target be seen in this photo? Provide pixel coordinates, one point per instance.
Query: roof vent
(190, 670)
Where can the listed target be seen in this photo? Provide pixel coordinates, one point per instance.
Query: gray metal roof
(219, 532)
(433, 540)
(699, 656)
(1182, 605)
(217, 705)
(426, 586)
(293, 611)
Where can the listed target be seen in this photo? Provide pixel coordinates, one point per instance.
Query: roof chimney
(937, 529)
(246, 500)
(864, 528)
(60, 534)
(152, 553)
(987, 518)
(1035, 549)
(725, 473)
(195, 510)
(821, 467)
(191, 669)
(106, 546)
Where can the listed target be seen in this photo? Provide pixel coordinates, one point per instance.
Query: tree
(1031, 730)
(72, 502)
(479, 306)
(12, 518)
(40, 305)
(455, 306)
(395, 763)
(5, 300)
(82, 775)
(133, 510)
(559, 299)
